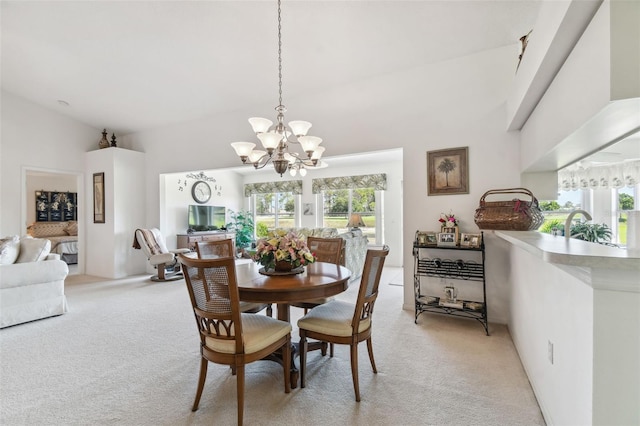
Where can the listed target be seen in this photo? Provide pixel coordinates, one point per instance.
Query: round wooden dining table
(318, 280)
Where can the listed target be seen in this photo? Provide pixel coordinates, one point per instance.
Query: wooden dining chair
(227, 335)
(224, 248)
(215, 248)
(345, 323)
(330, 250)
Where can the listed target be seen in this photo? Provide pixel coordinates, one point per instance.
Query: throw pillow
(9, 250)
(33, 249)
(72, 228)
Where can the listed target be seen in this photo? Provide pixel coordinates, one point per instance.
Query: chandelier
(276, 139)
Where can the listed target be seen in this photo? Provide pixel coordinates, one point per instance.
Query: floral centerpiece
(283, 252)
(448, 220)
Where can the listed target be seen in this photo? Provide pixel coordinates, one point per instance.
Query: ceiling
(134, 65)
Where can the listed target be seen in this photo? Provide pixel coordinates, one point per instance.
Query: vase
(283, 266)
(104, 143)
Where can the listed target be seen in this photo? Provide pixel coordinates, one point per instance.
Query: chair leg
(354, 369)
(286, 353)
(331, 350)
(370, 350)
(269, 310)
(303, 357)
(240, 390)
(203, 376)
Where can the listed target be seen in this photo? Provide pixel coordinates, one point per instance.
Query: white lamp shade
(260, 125)
(292, 172)
(299, 128)
(270, 140)
(303, 172)
(243, 149)
(256, 155)
(290, 158)
(309, 143)
(317, 153)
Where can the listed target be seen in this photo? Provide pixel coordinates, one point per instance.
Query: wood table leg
(284, 315)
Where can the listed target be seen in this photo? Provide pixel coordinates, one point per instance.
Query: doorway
(37, 181)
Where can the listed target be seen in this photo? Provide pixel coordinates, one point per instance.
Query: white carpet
(127, 354)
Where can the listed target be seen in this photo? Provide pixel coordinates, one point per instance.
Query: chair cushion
(33, 249)
(259, 332)
(332, 318)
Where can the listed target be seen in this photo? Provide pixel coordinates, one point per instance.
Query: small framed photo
(307, 209)
(426, 238)
(453, 230)
(447, 239)
(471, 240)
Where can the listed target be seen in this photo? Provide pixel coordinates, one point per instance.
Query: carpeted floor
(127, 354)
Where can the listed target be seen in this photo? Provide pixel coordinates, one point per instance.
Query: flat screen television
(206, 218)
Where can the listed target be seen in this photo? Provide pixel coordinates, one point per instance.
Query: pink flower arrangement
(289, 248)
(448, 220)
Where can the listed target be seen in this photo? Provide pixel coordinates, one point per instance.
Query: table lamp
(355, 221)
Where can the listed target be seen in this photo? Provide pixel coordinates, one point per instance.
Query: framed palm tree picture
(448, 171)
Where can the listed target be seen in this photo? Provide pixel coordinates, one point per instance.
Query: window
(274, 210)
(274, 204)
(341, 196)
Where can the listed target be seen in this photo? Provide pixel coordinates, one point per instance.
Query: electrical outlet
(550, 351)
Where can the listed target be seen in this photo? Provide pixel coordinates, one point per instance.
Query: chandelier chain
(279, 54)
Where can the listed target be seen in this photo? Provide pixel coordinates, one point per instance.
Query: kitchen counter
(572, 252)
(574, 317)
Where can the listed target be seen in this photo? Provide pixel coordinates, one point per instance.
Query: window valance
(377, 181)
(294, 186)
(616, 175)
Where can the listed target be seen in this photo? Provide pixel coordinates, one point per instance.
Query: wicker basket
(511, 215)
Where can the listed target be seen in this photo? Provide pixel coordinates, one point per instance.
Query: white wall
(176, 197)
(109, 250)
(36, 138)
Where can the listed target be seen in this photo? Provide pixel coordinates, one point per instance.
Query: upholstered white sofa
(355, 245)
(31, 281)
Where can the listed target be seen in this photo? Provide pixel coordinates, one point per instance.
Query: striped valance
(294, 186)
(377, 182)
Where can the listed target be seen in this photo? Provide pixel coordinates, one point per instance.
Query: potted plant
(242, 224)
(592, 232)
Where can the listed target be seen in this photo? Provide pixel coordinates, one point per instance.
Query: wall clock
(201, 192)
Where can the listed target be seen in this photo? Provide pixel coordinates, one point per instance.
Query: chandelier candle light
(276, 140)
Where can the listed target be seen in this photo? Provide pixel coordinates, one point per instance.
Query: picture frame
(470, 240)
(448, 171)
(447, 239)
(432, 238)
(307, 209)
(98, 198)
(426, 239)
(453, 230)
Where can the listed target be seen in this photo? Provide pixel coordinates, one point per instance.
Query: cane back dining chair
(330, 250)
(227, 335)
(225, 248)
(345, 323)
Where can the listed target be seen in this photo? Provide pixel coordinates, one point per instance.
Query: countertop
(572, 252)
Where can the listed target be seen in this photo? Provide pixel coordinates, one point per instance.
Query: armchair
(164, 260)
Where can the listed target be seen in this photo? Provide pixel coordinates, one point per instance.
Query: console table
(189, 240)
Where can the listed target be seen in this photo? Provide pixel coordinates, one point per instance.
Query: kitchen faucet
(567, 223)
